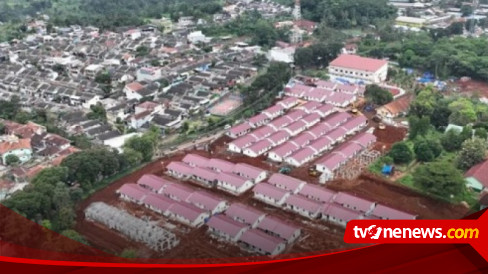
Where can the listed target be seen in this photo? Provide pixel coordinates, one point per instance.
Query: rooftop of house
(351, 61)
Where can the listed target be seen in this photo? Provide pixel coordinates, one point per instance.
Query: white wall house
(233, 183)
(149, 74)
(270, 194)
(258, 148)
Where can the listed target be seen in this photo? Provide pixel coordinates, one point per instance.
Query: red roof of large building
(226, 225)
(261, 240)
(285, 182)
(246, 214)
(135, 86)
(152, 181)
(279, 227)
(357, 62)
(480, 172)
(204, 200)
(14, 145)
(185, 210)
(195, 160)
(317, 193)
(133, 191)
(389, 213)
(269, 191)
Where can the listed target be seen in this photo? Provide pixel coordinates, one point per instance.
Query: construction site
(179, 241)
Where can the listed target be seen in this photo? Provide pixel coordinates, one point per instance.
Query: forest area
(117, 13)
(445, 57)
(99, 13)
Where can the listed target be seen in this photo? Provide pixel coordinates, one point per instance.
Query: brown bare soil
(388, 136)
(472, 86)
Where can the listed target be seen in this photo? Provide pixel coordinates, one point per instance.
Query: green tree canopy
(463, 112)
(418, 126)
(424, 103)
(451, 140)
(439, 178)
(427, 150)
(473, 152)
(401, 153)
(11, 159)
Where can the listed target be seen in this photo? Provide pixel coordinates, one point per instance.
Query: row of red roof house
(290, 127)
(340, 87)
(307, 146)
(332, 161)
(313, 201)
(279, 109)
(298, 143)
(229, 177)
(339, 97)
(253, 229)
(173, 200)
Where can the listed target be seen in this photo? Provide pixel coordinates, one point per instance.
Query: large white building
(357, 69)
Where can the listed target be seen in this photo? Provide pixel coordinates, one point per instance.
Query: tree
(103, 78)
(81, 141)
(73, 235)
(481, 133)
(259, 60)
(440, 116)
(185, 127)
(451, 140)
(466, 10)
(463, 112)
(90, 166)
(47, 224)
(424, 103)
(264, 34)
(427, 150)
(8, 109)
(97, 112)
(155, 63)
(59, 69)
(440, 179)
(401, 153)
(128, 253)
(142, 51)
(22, 117)
(49, 28)
(304, 57)
(455, 28)
(473, 152)
(345, 14)
(66, 218)
(132, 157)
(51, 176)
(2, 129)
(145, 145)
(378, 95)
(11, 159)
(418, 126)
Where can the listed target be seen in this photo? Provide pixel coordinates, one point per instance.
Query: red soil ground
(385, 138)
(472, 86)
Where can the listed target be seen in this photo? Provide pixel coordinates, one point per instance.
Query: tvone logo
(374, 232)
